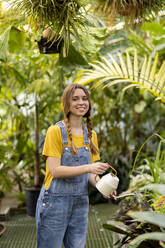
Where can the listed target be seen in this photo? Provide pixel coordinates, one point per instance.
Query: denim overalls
(62, 210)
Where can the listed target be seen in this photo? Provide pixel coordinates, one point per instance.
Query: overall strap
(86, 140)
(63, 132)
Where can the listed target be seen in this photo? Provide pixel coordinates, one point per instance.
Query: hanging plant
(46, 45)
(133, 11)
(64, 17)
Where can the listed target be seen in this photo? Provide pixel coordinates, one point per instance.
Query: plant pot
(49, 47)
(32, 195)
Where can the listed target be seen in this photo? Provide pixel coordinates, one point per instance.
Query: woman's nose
(80, 101)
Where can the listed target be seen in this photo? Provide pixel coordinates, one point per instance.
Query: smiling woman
(70, 150)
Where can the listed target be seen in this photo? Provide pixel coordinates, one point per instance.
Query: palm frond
(140, 72)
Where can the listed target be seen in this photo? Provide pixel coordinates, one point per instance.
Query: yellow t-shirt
(53, 147)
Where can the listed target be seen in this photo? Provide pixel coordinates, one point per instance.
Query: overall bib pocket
(68, 159)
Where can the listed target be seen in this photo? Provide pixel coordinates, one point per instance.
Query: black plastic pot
(32, 195)
(49, 47)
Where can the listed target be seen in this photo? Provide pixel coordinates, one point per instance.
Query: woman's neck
(75, 123)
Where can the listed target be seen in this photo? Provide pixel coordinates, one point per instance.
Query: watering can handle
(111, 168)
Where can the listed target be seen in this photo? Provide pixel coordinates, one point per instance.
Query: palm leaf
(129, 65)
(142, 73)
(135, 65)
(123, 66)
(143, 69)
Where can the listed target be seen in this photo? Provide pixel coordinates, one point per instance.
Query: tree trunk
(37, 156)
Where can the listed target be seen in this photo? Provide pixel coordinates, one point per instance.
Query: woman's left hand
(111, 196)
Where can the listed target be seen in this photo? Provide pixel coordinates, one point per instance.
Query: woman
(70, 150)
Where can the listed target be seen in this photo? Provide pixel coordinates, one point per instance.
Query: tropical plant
(158, 198)
(149, 38)
(157, 233)
(133, 11)
(63, 17)
(138, 222)
(159, 204)
(12, 40)
(139, 73)
(156, 218)
(144, 227)
(155, 164)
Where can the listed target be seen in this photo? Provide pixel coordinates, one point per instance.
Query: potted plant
(47, 45)
(63, 17)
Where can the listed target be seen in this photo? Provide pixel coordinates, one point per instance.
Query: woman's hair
(66, 98)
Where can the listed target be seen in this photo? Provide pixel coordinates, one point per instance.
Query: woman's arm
(93, 179)
(58, 171)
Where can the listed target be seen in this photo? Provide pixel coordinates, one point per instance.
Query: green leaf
(73, 58)
(151, 236)
(118, 227)
(16, 40)
(98, 32)
(162, 179)
(139, 107)
(153, 27)
(149, 217)
(159, 188)
(93, 40)
(4, 39)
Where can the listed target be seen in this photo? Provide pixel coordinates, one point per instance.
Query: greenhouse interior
(82, 113)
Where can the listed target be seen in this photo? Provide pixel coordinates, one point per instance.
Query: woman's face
(79, 104)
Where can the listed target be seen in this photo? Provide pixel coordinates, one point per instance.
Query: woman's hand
(98, 168)
(111, 196)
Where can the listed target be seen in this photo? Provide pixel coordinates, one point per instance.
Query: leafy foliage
(133, 11)
(156, 166)
(64, 17)
(146, 226)
(159, 204)
(141, 74)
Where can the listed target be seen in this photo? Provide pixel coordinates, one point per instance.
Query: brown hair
(67, 94)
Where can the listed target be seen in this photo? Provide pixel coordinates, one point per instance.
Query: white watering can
(108, 183)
